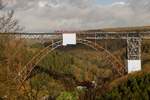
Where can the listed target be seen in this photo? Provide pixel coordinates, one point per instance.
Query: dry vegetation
(57, 76)
(62, 70)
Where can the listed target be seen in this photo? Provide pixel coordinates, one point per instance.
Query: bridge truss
(133, 47)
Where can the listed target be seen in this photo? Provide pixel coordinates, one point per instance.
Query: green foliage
(67, 96)
(42, 85)
(135, 88)
(37, 45)
(146, 46)
(83, 66)
(60, 62)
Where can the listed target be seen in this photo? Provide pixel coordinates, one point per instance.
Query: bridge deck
(106, 33)
(89, 35)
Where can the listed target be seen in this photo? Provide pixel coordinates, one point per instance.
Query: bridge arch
(26, 71)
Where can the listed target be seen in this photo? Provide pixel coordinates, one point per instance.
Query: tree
(7, 24)
(67, 96)
(7, 21)
(1, 5)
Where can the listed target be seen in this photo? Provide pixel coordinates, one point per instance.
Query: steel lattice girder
(134, 48)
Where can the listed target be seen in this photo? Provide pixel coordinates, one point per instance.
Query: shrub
(67, 96)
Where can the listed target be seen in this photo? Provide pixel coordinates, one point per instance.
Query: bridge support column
(134, 53)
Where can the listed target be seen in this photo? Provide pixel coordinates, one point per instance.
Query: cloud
(121, 3)
(50, 15)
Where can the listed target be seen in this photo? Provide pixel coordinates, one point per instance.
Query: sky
(52, 15)
(104, 2)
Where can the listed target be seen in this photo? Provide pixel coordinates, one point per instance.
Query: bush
(135, 88)
(67, 96)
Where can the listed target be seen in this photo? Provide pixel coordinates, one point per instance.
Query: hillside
(135, 86)
(123, 29)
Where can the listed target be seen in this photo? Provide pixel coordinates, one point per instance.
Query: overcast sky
(51, 15)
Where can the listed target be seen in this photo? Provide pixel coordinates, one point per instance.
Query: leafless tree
(7, 21)
(7, 24)
(1, 5)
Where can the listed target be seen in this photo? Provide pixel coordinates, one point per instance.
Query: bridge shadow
(68, 80)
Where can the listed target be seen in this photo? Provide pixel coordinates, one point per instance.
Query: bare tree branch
(7, 21)
(1, 5)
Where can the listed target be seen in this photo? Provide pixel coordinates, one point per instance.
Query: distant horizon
(121, 27)
(90, 29)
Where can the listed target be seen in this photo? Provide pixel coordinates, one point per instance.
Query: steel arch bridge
(84, 37)
(29, 67)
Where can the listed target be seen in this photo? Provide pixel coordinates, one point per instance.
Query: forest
(70, 73)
